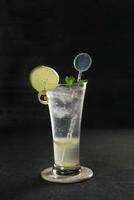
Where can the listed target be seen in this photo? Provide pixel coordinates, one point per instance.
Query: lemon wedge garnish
(44, 78)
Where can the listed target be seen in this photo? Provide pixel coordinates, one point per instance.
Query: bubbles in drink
(64, 101)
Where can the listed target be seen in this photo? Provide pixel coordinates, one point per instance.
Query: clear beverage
(66, 152)
(65, 106)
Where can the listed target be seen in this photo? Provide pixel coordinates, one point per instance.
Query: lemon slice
(42, 97)
(44, 78)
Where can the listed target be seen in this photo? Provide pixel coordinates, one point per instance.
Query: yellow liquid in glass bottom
(66, 152)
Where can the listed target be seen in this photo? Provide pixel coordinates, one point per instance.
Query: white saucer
(85, 173)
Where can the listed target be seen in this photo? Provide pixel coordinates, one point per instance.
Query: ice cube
(60, 113)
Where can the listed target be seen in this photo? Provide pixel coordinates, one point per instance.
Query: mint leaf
(69, 80)
(82, 81)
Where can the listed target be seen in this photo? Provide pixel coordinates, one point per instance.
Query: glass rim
(74, 84)
(78, 85)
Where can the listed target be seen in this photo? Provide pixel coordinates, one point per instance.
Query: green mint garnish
(82, 81)
(69, 80)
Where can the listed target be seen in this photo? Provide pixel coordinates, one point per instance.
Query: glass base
(66, 170)
(50, 175)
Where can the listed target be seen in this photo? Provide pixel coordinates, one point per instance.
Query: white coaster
(85, 173)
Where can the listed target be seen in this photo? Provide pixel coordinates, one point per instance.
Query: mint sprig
(80, 82)
(70, 81)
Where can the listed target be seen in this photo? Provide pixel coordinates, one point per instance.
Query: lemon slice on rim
(44, 78)
(42, 97)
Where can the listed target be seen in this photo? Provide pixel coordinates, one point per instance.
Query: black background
(53, 33)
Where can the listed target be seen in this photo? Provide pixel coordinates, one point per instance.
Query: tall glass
(65, 107)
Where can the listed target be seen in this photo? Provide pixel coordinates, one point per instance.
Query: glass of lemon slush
(65, 107)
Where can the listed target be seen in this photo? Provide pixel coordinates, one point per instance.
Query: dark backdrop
(53, 33)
